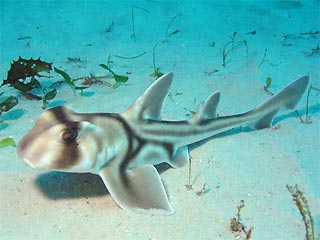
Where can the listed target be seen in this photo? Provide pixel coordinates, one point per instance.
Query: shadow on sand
(60, 185)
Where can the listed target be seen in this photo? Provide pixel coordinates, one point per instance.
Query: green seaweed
(24, 76)
(264, 57)
(305, 211)
(66, 77)
(169, 34)
(229, 47)
(267, 85)
(7, 142)
(117, 78)
(156, 70)
(109, 29)
(133, 35)
(74, 60)
(7, 104)
(49, 96)
(268, 82)
(314, 51)
(132, 57)
(307, 119)
(69, 81)
(48, 93)
(226, 52)
(290, 38)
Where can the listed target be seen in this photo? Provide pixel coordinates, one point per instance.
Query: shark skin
(123, 148)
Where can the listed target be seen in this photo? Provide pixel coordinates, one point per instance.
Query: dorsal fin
(149, 105)
(208, 110)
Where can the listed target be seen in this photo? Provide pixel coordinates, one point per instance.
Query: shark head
(56, 143)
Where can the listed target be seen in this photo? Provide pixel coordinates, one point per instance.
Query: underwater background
(245, 49)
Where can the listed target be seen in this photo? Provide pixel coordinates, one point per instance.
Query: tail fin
(287, 97)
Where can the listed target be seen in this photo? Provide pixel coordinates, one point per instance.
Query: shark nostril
(69, 135)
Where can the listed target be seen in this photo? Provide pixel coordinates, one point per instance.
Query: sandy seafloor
(254, 166)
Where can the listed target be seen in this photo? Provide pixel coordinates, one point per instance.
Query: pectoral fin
(139, 189)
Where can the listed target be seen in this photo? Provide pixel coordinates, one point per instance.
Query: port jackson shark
(123, 148)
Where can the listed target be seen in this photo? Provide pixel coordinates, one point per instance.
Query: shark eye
(69, 135)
